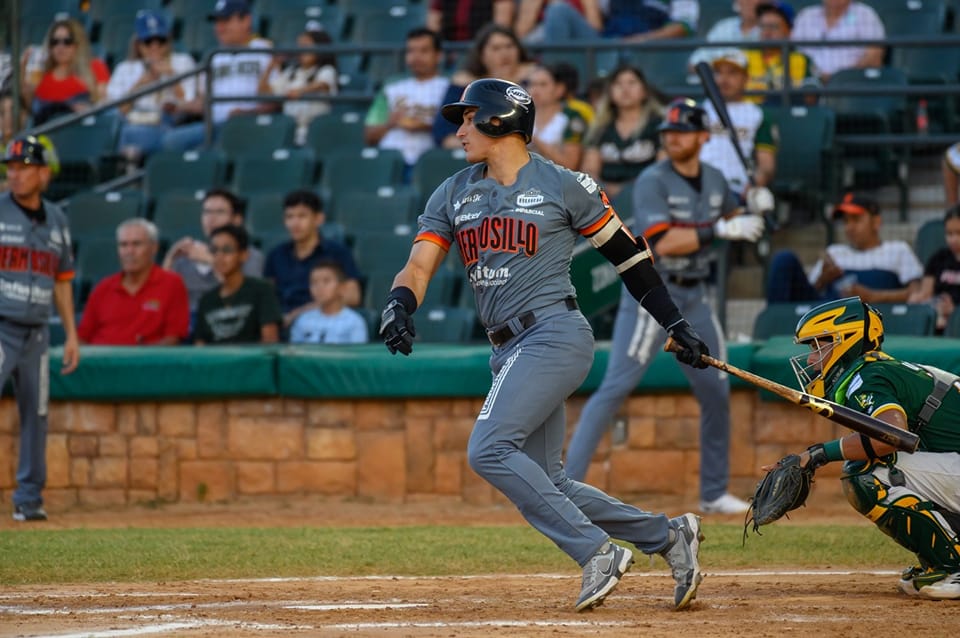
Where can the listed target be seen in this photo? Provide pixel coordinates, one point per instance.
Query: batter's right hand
(691, 345)
(746, 227)
(396, 328)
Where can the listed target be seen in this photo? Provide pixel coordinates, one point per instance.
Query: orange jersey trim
(65, 276)
(597, 225)
(433, 238)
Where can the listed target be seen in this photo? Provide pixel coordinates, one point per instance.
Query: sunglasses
(67, 42)
(154, 40)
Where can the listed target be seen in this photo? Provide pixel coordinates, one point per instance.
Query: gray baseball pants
(637, 339)
(517, 442)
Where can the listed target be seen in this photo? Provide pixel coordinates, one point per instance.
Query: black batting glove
(396, 327)
(691, 345)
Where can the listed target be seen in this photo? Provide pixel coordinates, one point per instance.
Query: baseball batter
(680, 206)
(36, 269)
(913, 498)
(514, 218)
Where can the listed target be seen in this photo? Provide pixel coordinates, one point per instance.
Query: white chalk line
(306, 605)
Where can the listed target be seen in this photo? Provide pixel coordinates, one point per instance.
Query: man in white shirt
(742, 28)
(234, 74)
(875, 270)
(401, 116)
(840, 20)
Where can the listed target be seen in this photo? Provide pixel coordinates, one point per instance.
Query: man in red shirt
(140, 305)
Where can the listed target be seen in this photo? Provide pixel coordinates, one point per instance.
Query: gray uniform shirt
(515, 241)
(33, 256)
(199, 278)
(663, 199)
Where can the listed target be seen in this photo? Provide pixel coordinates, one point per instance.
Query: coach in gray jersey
(514, 218)
(680, 206)
(36, 269)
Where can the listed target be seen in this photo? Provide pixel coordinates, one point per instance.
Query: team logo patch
(865, 401)
(518, 95)
(587, 182)
(532, 197)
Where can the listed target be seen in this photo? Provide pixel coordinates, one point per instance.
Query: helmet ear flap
(869, 343)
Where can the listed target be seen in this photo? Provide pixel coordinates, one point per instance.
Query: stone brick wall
(103, 454)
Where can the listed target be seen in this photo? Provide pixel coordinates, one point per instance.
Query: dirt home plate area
(773, 600)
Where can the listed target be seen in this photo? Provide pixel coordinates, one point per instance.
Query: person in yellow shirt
(765, 67)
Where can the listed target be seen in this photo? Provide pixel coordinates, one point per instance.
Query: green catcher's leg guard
(901, 515)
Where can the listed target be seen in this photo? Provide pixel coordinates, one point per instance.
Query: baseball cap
(783, 8)
(151, 24)
(856, 204)
(227, 8)
(736, 57)
(27, 149)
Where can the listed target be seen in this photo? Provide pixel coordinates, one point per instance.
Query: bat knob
(671, 345)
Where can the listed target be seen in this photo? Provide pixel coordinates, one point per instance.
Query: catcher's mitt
(784, 488)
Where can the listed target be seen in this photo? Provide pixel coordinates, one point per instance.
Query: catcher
(912, 498)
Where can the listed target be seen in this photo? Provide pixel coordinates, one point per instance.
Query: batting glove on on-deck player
(746, 227)
(760, 200)
(690, 343)
(396, 327)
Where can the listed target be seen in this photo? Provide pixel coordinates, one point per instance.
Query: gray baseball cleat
(683, 558)
(602, 573)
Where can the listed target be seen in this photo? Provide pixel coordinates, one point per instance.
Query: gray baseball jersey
(33, 256)
(515, 241)
(662, 199)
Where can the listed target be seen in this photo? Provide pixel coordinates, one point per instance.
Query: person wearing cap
(238, 75)
(840, 20)
(150, 59)
(36, 273)
(766, 70)
(680, 205)
(739, 28)
(755, 131)
(876, 270)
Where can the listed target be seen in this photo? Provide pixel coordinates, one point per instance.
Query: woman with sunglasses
(70, 78)
(150, 59)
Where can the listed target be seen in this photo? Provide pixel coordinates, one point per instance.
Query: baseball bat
(720, 106)
(847, 417)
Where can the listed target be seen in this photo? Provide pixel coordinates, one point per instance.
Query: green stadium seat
(445, 324)
(284, 169)
(96, 259)
(86, 151)
(260, 133)
(388, 248)
(287, 21)
(665, 69)
(193, 34)
(264, 213)
(93, 215)
(387, 207)
(102, 10)
(177, 214)
(779, 319)
(116, 36)
(433, 167)
(444, 288)
(335, 131)
(916, 319)
(189, 171)
(379, 282)
(805, 155)
(930, 239)
(911, 17)
(711, 13)
(364, 170)
(953, 326)
(47, 9)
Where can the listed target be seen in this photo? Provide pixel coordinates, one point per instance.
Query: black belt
(684, 282)
(505, 333)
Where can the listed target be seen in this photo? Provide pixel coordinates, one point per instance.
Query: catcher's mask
(838, 332)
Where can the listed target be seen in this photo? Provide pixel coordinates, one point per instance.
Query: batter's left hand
(396, 328)
(71, 355)
(760, 200)
(692, 346)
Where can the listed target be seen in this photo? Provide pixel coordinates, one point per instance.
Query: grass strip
(37, 556)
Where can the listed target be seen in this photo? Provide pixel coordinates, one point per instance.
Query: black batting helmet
(684, 115)
(27, 149)
(502, 108)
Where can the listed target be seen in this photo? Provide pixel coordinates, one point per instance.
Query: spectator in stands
(496, 53)
(765, 67)
(755, 131)
(462, 20)
(557, 130)
(567, 75)
(241, 309)
(142, 304)
(151, 58)
(840, 20)
(530, 14)
(64, 77)
(193, 260)
(234, 75)
(328, 320)
(951, 174)
(628, 20)
(309, 73)
(401, 116)
(875, 270)
(742, 27)
(940, 286)
(289, 264)
(6, 98)
(623, 139)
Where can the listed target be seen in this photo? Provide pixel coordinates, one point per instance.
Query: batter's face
(26, 181)
(302, 222)
(135, 249)
(682, 146)
(475, 144)
(952, 233)
(862, 231)
(731, 80)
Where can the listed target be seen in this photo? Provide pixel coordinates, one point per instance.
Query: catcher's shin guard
(900, 514)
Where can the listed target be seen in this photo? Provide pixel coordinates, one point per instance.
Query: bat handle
(671, 345)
